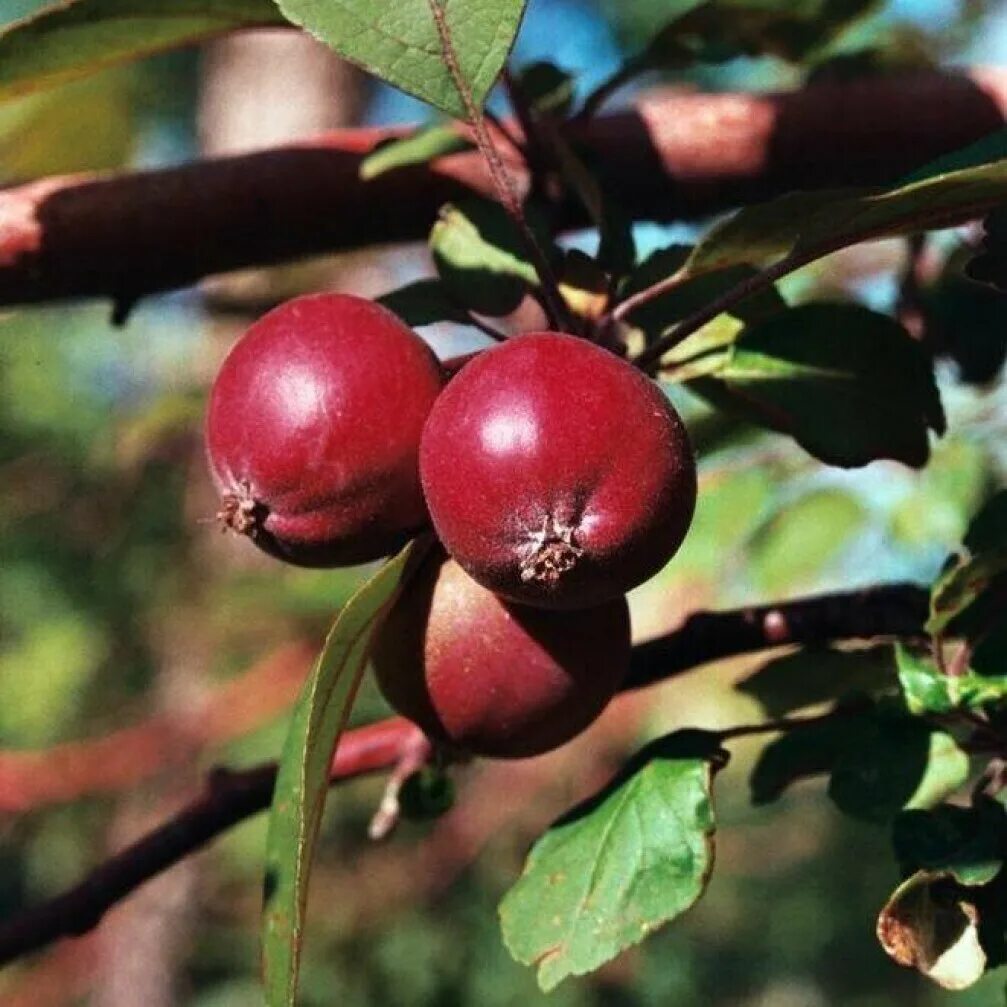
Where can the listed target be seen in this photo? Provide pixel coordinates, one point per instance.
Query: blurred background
(139, 647)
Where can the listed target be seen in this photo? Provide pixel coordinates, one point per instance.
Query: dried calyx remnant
(241, 512)
(552, 551)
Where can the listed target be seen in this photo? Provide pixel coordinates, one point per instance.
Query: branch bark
(672, 156)
(234, 795)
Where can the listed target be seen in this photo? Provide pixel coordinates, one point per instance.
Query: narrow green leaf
(802, 226)
(480, 257)
(620, 865)
(418, 148)
(60, 41)
(425, 47)
(985, 151)
(848, 384)
(318, 719)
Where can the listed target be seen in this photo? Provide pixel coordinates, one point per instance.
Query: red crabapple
(313, 430)
(557, 474)
(492, 678)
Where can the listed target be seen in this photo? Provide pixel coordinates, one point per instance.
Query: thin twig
(649, 360)
(507, 191)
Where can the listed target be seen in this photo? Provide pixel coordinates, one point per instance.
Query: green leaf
(960, 587)
(929, 691)
(86, 125)
(989, 149)
(620, 865)
(967, 319)
(61, 40)
(720, 30)
(809, 750)
(417, 148)
(658, 316)
(968, 601)
(797, 544)
(967, 843)
(428, 48)
(318, 719)
(480, 257)
(811, 676)
(803, 226)
(896, 762)
(423, 303)
(848, 384)
(926, 925)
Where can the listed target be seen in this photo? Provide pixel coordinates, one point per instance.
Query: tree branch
(892, 610)
(672, 156)
(234, 795)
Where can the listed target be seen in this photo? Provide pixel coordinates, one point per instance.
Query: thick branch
(673, 155)
(232, 796)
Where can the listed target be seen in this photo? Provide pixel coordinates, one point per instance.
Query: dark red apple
(492, 678)
(556, 473)
(313, 430)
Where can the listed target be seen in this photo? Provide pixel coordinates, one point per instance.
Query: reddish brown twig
(671, 156)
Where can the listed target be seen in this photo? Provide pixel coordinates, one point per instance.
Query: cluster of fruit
(556, 477)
